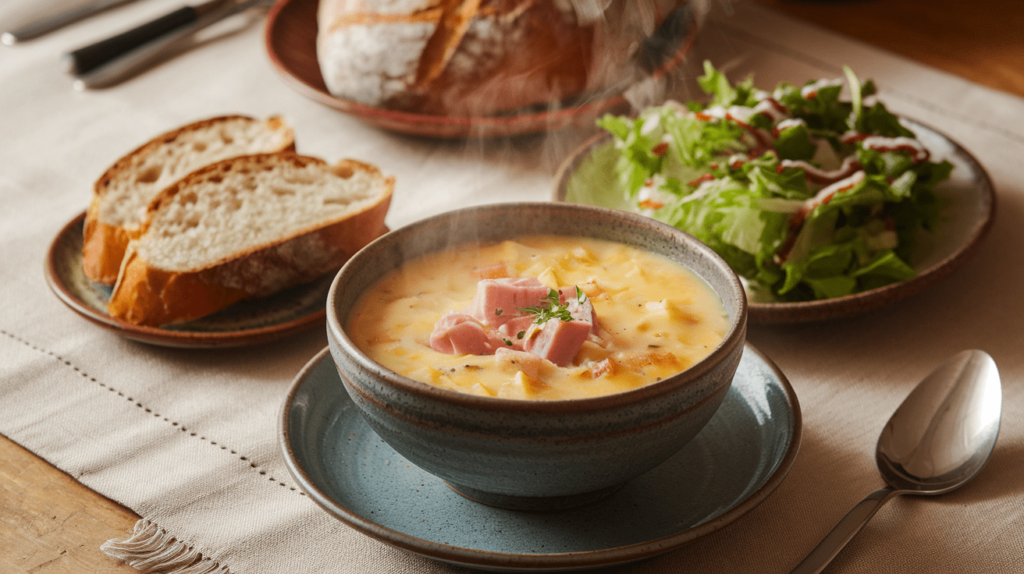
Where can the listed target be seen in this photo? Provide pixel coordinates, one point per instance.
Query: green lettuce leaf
(714, 179)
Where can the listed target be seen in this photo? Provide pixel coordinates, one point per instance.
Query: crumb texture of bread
(247, 227)
(255, 202)
(132, 183)
(123, 193)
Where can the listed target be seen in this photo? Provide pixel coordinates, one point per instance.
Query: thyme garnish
(552, 308)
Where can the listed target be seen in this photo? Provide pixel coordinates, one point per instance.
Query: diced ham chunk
(580, 311)
(511, 329)
(498, 300)
(558, 341)
(495, 323)
(460, 334)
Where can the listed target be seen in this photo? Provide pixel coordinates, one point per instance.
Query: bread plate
(290, 41)
(968, 209)
(245, 323)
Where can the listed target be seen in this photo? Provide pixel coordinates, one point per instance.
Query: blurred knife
(148, 54)
(90, 57)
(53, 15)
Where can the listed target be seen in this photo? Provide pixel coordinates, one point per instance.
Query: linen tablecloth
(187, 439)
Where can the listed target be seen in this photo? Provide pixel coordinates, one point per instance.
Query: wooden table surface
(50, 523)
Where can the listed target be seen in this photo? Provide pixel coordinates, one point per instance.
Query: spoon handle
(843, 532)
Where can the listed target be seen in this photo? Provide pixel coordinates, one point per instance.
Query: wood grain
(980, 41)
(49, 523)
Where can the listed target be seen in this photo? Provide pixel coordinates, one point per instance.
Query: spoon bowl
(935, 442)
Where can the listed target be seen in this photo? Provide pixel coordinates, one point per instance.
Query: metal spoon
(935, 442)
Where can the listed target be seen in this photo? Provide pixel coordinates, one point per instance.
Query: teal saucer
(736, 461)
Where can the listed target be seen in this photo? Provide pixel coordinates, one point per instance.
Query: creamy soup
(603, 318)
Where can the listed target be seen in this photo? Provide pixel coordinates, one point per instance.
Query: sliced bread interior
(247, 227)
(122, 194)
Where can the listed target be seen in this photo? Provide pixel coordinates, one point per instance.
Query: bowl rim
(734, 338)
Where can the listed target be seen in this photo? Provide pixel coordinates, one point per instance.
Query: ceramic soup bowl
(524, 454)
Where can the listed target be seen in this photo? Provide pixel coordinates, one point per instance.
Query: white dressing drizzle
(789, 123)
(901, 143)
(820, 176)
(826, 193)
(771, 108)
(811, 90)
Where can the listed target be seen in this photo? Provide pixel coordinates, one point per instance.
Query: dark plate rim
(510, 124)
(156, 335)
(857, 303)
(538, 562)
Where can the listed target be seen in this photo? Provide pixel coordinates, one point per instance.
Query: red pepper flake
(660, 149)
(743, 125)
(651, 204)
(853, 136)
(777, 105)
(779, 168)
(714, 165)
(796, 221)
(701, 179)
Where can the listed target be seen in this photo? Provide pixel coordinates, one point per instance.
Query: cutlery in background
(87, 58)
(115, 64)
(51, 15)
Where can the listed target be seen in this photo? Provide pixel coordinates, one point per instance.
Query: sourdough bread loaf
(246, 227)
(479, 57)
(122, 194)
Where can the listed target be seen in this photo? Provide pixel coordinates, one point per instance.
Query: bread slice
(122, 194)
(247, 227)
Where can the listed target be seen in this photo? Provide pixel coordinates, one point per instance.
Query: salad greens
(805, 195)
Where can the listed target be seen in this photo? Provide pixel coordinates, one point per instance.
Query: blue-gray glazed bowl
(534, 455)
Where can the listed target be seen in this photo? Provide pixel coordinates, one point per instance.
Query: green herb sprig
(553, 308)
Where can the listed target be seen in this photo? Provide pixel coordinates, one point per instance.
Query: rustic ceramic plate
(244, 323)
(968, 208)
(290, 41)
(736, 461)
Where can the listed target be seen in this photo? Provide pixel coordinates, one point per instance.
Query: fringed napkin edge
(150, 548)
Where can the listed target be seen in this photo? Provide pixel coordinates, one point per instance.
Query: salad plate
(290, 42)
(966, 211)
(736, 461)
(244, 323)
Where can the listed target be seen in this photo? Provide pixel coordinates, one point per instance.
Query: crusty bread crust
(103, 249)
(105, 242)
(479, 57)
(147, 295)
